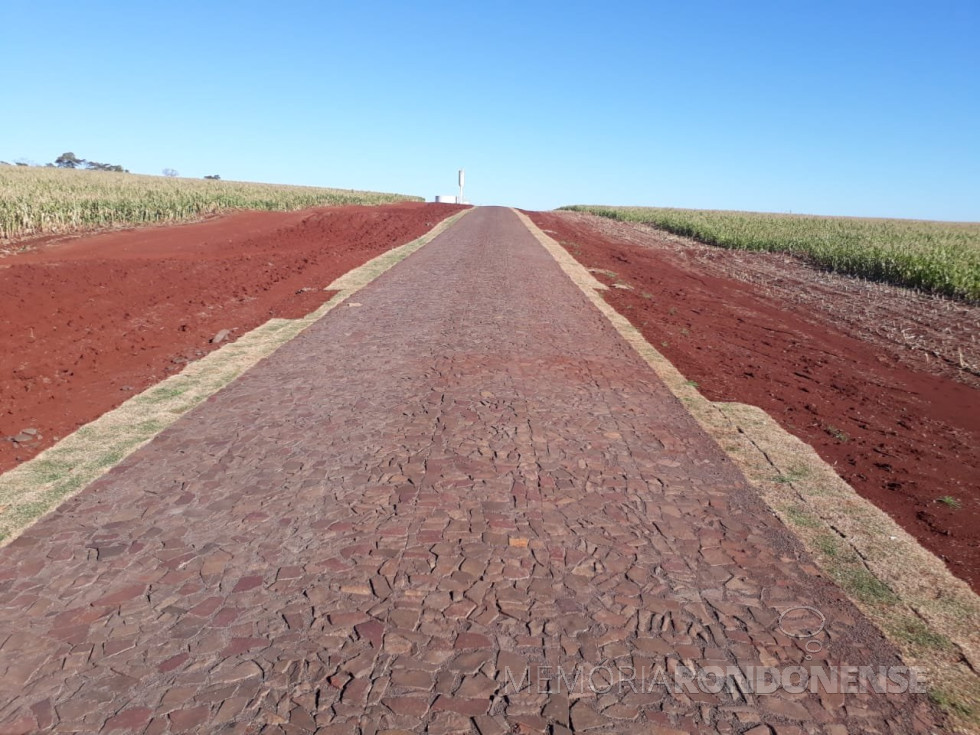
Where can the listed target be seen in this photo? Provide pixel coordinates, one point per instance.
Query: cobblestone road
(459, 503)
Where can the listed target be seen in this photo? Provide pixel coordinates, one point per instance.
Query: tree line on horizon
(70, 160)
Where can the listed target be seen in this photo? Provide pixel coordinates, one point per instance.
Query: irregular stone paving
(428, 512)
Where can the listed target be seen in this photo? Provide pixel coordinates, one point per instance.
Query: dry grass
(41, 201)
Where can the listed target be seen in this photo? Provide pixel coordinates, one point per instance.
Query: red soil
(902, 437)
(85, 323)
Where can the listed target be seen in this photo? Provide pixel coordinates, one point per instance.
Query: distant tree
(68, 160)
(171, 173)
(96, 166)
(213, 177)
(22, 163)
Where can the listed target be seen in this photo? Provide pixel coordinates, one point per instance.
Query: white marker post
(462, 178)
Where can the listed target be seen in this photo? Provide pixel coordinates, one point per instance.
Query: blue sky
(854, 108)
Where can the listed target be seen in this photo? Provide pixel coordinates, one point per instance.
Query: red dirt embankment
(775, 333)
(86, 323)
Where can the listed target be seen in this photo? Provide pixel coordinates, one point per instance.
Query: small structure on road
(449, 198)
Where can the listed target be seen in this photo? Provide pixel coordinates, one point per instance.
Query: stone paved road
(464, 505)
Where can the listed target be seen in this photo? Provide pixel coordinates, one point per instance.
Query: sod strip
(38, 486)
(904, 589)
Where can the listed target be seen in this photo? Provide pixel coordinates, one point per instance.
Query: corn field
(936, 257)
(40, 201)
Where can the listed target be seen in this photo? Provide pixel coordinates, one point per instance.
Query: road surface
(460, 502)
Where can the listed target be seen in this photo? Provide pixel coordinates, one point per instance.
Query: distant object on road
(450, 199)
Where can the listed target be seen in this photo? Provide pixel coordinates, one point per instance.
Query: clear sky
(824, 106)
